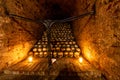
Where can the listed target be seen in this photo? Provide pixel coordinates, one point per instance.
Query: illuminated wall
(18, 36)
(98, 35)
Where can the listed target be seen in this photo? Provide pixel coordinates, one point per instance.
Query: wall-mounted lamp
(80, 59)
(30, 59)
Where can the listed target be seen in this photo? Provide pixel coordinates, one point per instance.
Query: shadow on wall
(67, 74)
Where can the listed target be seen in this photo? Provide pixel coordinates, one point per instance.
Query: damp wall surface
(17, 36)
(99, 35)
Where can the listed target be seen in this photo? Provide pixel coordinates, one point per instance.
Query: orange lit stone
(30, 59)
(80, 59)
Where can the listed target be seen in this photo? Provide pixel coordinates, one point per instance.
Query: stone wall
(18, 36)
(99, 35)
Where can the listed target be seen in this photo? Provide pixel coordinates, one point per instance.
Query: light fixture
(30, 59)
(53, 60)
(80, 59)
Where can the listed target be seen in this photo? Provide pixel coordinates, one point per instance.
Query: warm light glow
(53, 60)
(89, 53)
(30, 59)
(80, 59)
